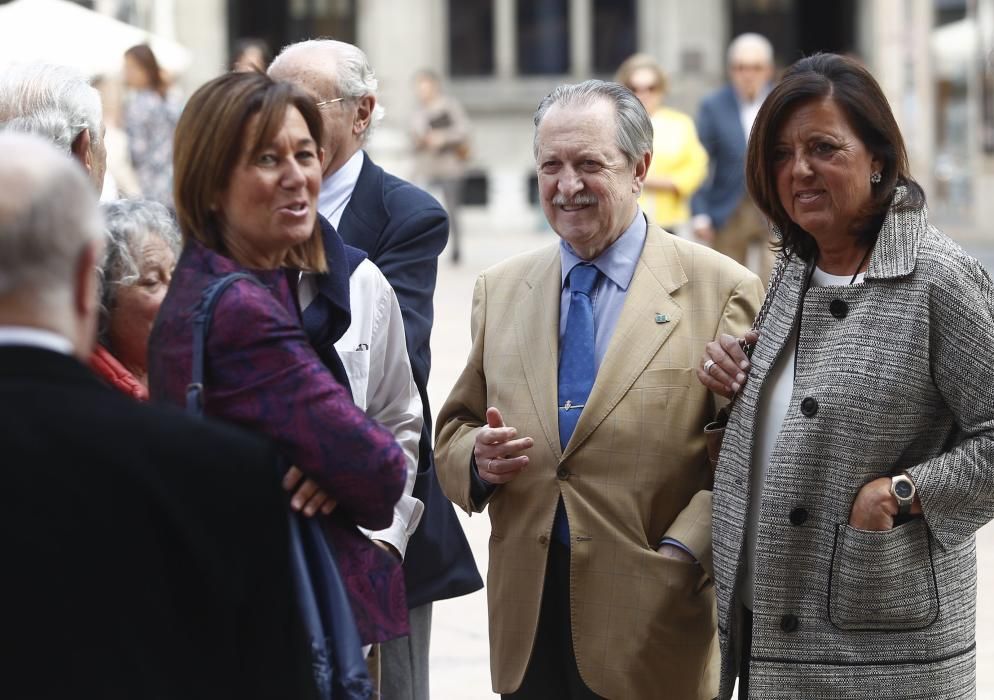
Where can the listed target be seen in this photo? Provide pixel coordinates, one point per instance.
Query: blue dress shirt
(617, 267)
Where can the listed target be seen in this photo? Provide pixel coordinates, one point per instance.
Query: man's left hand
(875, 506)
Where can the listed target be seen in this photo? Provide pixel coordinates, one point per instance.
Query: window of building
(797, 28)
(543, 37)
(471, 37)
(613, 33)
(325, 18)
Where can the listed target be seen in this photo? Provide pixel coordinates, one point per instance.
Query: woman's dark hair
(212, 136)
(859, 97)
(143, 56)
(243, 45)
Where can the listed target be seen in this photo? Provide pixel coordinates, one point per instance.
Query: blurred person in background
(148, 548)
(248, 171)
(149, 121)
(58, 104)
(679, 162)
(142, 245)
(403, 230)
(441, 143)
(858, 462)
(250, 54)
(724, 216)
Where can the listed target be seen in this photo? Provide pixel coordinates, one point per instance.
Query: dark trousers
(746, 653)
(552, 672)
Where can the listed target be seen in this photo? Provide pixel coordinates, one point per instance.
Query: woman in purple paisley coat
(248, 171)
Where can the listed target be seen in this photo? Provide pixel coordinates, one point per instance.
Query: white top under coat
(774, 401)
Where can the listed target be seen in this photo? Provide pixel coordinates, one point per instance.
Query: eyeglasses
(654, 87)
(750, 67)
(321, 104)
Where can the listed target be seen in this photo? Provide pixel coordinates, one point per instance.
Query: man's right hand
(498, 450)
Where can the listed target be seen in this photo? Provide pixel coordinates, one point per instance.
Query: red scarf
(113, 372)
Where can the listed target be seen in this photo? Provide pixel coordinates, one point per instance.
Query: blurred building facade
(500, 57)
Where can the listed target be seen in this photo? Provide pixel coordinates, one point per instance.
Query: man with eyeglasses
(402, 230)
(724, 216)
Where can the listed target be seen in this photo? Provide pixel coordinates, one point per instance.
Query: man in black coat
(403, 230)
(144, 552)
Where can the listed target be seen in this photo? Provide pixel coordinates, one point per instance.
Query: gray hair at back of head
(751, 42)
(52, 101)
(48, 213)
(354, 76)
(128, 224)
(634, 133)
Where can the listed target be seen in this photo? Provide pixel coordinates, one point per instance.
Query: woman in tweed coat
(858, 461)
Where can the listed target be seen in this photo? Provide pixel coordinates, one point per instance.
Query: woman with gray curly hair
(142, 245)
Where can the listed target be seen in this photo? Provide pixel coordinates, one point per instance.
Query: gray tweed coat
(898, 378)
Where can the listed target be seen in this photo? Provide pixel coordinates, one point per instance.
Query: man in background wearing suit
(724, 216)
(403, 230)
(578, 421)
(145, 552)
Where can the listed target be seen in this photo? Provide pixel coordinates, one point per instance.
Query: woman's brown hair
(211, 137)
(143, 56)
(859, 97)
(641, 60)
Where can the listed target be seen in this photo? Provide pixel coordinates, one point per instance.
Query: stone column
(202, 27)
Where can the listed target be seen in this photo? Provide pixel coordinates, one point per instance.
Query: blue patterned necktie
(577, 368)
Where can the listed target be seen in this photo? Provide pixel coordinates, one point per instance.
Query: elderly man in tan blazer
(578, 420)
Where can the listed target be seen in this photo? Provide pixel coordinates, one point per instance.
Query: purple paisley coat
(262, 373)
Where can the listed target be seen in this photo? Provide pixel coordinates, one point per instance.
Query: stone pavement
(459, 650)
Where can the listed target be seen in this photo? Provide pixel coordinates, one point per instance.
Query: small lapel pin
(662, 318)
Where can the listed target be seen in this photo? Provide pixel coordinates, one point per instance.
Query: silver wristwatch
(903, 490)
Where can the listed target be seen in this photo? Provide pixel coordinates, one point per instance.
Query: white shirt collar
(35, 338)
(336, 190)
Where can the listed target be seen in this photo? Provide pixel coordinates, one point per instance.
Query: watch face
(902, 489)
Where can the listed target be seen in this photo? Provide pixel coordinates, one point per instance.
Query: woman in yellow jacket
(679, 162)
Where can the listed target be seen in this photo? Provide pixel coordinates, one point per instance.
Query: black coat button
(798, 516)
(839, 308)
(562, 473)
(809, 406)
(789, 623)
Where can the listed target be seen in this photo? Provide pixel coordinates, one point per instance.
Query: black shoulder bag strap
(202, 316)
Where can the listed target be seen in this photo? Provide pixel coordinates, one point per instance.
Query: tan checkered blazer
(635, 468)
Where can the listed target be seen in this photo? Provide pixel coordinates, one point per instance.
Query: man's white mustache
(580, 200)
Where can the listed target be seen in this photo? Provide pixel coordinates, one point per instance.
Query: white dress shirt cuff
(406, 517)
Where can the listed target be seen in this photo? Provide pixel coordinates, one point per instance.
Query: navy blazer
(719, 127)
(403, 230)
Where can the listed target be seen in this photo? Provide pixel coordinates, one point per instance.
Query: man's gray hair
(354, 76)
(634, 132)
(750, 42)
(48, 214)
(129, 223)
(52, 101)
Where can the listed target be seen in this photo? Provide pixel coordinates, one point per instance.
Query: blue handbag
(337, 663)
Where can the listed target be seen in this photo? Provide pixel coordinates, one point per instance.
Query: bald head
(330, 70)
(50, 238)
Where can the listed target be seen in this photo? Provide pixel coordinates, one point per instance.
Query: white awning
(56, 31)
